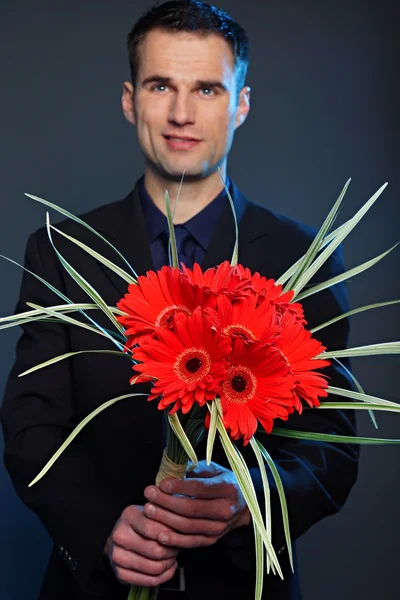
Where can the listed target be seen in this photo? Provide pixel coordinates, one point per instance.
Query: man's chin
(191, 173)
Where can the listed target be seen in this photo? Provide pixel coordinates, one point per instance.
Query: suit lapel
(126, 230)
(252, 235)
(222, 240)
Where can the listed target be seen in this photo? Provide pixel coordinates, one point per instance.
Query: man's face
(185, 104)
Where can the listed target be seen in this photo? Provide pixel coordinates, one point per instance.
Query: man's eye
(207, 91)
(160, 87)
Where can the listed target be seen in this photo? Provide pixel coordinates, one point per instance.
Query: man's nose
(182, 109)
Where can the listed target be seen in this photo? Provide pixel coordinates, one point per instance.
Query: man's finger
(146, 548)
(216, 509)
(134, 535)
(128, 577)
(192, 526)
(213, 487)
(137, 562)
(185, 541)
(151, 529)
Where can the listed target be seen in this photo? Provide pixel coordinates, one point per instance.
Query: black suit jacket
(117, 455)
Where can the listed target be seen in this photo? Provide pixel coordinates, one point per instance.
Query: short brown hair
(191, 16)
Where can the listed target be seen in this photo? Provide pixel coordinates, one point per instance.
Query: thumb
(203, 470)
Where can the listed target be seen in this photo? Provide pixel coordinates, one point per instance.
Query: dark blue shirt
(199, 229)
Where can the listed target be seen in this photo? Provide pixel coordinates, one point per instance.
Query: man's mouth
(181, 138)
(180, 143)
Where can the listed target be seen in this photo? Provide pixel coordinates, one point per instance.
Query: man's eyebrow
(214, 83)
(156, 79)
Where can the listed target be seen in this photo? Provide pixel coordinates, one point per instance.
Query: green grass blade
(267, 492)
(317, 242)
(153, 593)
(173, 217)
(46, 283)
(178, 194)
(178, 430)
(63, 308)
(212, 431)
(108, 263)
(282, 499)
(78, 220)
(289, 272)
(172, 239)
(328, 437)
(259, 546)
(19, 322)
(53, 289)
(77, 430)
(358, 405)
(235, 255)
(56, 359)
(353, 312)
(358, 396)
(138, 592)
(325, 254)
(293, 269)
(71, 321)
(344, 276)
(33, 315)
(39, 315)
(60, 295)
(359, 388)
(242, 475)
(369, 350)
(85, 285)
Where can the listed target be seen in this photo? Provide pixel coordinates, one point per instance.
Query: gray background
(324, 108)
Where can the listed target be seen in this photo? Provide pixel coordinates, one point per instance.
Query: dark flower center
(165, 318)
(193, 364)
(238, 383)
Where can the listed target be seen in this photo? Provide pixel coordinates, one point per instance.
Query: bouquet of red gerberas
(226, 352)
(226, 337)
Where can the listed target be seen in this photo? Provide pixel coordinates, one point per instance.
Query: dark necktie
(186, 247)
(185, 244)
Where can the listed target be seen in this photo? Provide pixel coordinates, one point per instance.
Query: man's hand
(136, 557)
(198, 510)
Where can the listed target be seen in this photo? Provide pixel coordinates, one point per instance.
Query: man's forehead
(185, 54)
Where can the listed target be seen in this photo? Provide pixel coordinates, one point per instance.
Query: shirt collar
(200, 226)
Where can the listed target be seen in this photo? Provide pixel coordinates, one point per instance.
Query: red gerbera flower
(245, 320)
(258, 386)
(300, 349)
(219, 280)
(267, 289)
(189, 362)
(154, 301)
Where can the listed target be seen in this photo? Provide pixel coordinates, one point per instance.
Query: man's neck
(193, 197)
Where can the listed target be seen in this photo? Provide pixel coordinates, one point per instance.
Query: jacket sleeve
(317, 476)
(75, 505)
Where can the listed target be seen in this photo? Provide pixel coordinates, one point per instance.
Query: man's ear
(128, 106)
(243, 106)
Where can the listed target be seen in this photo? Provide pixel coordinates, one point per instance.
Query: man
(111, 527)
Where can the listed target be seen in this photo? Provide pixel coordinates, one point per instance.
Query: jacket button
(61, 549)
(73, 564)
